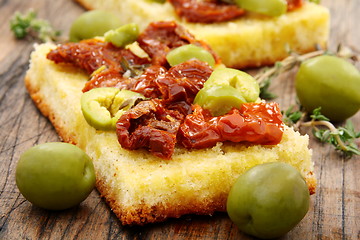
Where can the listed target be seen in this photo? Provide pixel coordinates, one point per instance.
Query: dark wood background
(335, 208)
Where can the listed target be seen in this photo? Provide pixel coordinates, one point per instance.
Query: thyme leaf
(341, 138)
(28, 25)
(291, 117)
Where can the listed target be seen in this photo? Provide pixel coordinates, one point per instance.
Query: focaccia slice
(139, 187)
(251, 40)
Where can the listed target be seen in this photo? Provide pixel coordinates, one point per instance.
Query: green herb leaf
(291, 116)
(342, 138)
(264, 92)
(318, 116)
(27, 25)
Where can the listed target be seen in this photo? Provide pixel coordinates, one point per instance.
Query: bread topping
(168, 116)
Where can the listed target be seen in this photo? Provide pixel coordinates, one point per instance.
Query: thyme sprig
(342, 138)
(29, 26)
(266, 75)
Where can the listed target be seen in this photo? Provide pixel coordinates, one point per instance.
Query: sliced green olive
(241, 81)
(187, 52)
(123, 35)
(272, 8)
(102, 107)
(219, 99)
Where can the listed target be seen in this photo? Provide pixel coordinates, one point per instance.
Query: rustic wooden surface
(335, 209)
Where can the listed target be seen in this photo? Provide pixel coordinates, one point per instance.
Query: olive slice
(123, 35)
(272, 8)
(102, 107)
(188, 52)
(219, 99)
(241, 81)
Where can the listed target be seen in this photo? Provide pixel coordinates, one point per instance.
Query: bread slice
(139, 187)
(249, 41)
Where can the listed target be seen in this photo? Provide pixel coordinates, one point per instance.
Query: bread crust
(142, 211)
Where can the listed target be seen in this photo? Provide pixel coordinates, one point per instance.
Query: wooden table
(334, 212)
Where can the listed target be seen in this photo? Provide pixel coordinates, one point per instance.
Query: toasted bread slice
(249, 41)
(139, 187)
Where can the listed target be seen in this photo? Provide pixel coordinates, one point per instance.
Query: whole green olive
(271, 8)
(92, 24)
(331, 83)
(55, 175)
(268, 200)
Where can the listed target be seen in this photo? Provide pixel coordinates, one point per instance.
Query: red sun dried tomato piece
(149, 125)
(206, 11)
(161, 37)
(294, 4)
(183, 81)
(254, 123)
(199, 129)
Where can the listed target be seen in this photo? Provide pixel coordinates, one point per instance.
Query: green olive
(243, 82)
(331, 83)
(219, 99)
(92, 24)
(55, 176)
(123, 35)
(271, 8)
(102, 107)
(225, 89)
(187, 52)
(268, 200)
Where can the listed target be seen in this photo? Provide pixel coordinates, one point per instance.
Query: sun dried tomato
(91, 54)
(199, 129)
(109, 77)
(294, 4)
(160, 37)
(206, 11)
(149, 125)
(146, 83)
(254, 123)
(183, 81)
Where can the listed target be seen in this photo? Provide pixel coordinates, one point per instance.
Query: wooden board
(334, 212)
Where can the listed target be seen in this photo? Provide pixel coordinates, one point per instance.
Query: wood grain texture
(335, 208)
